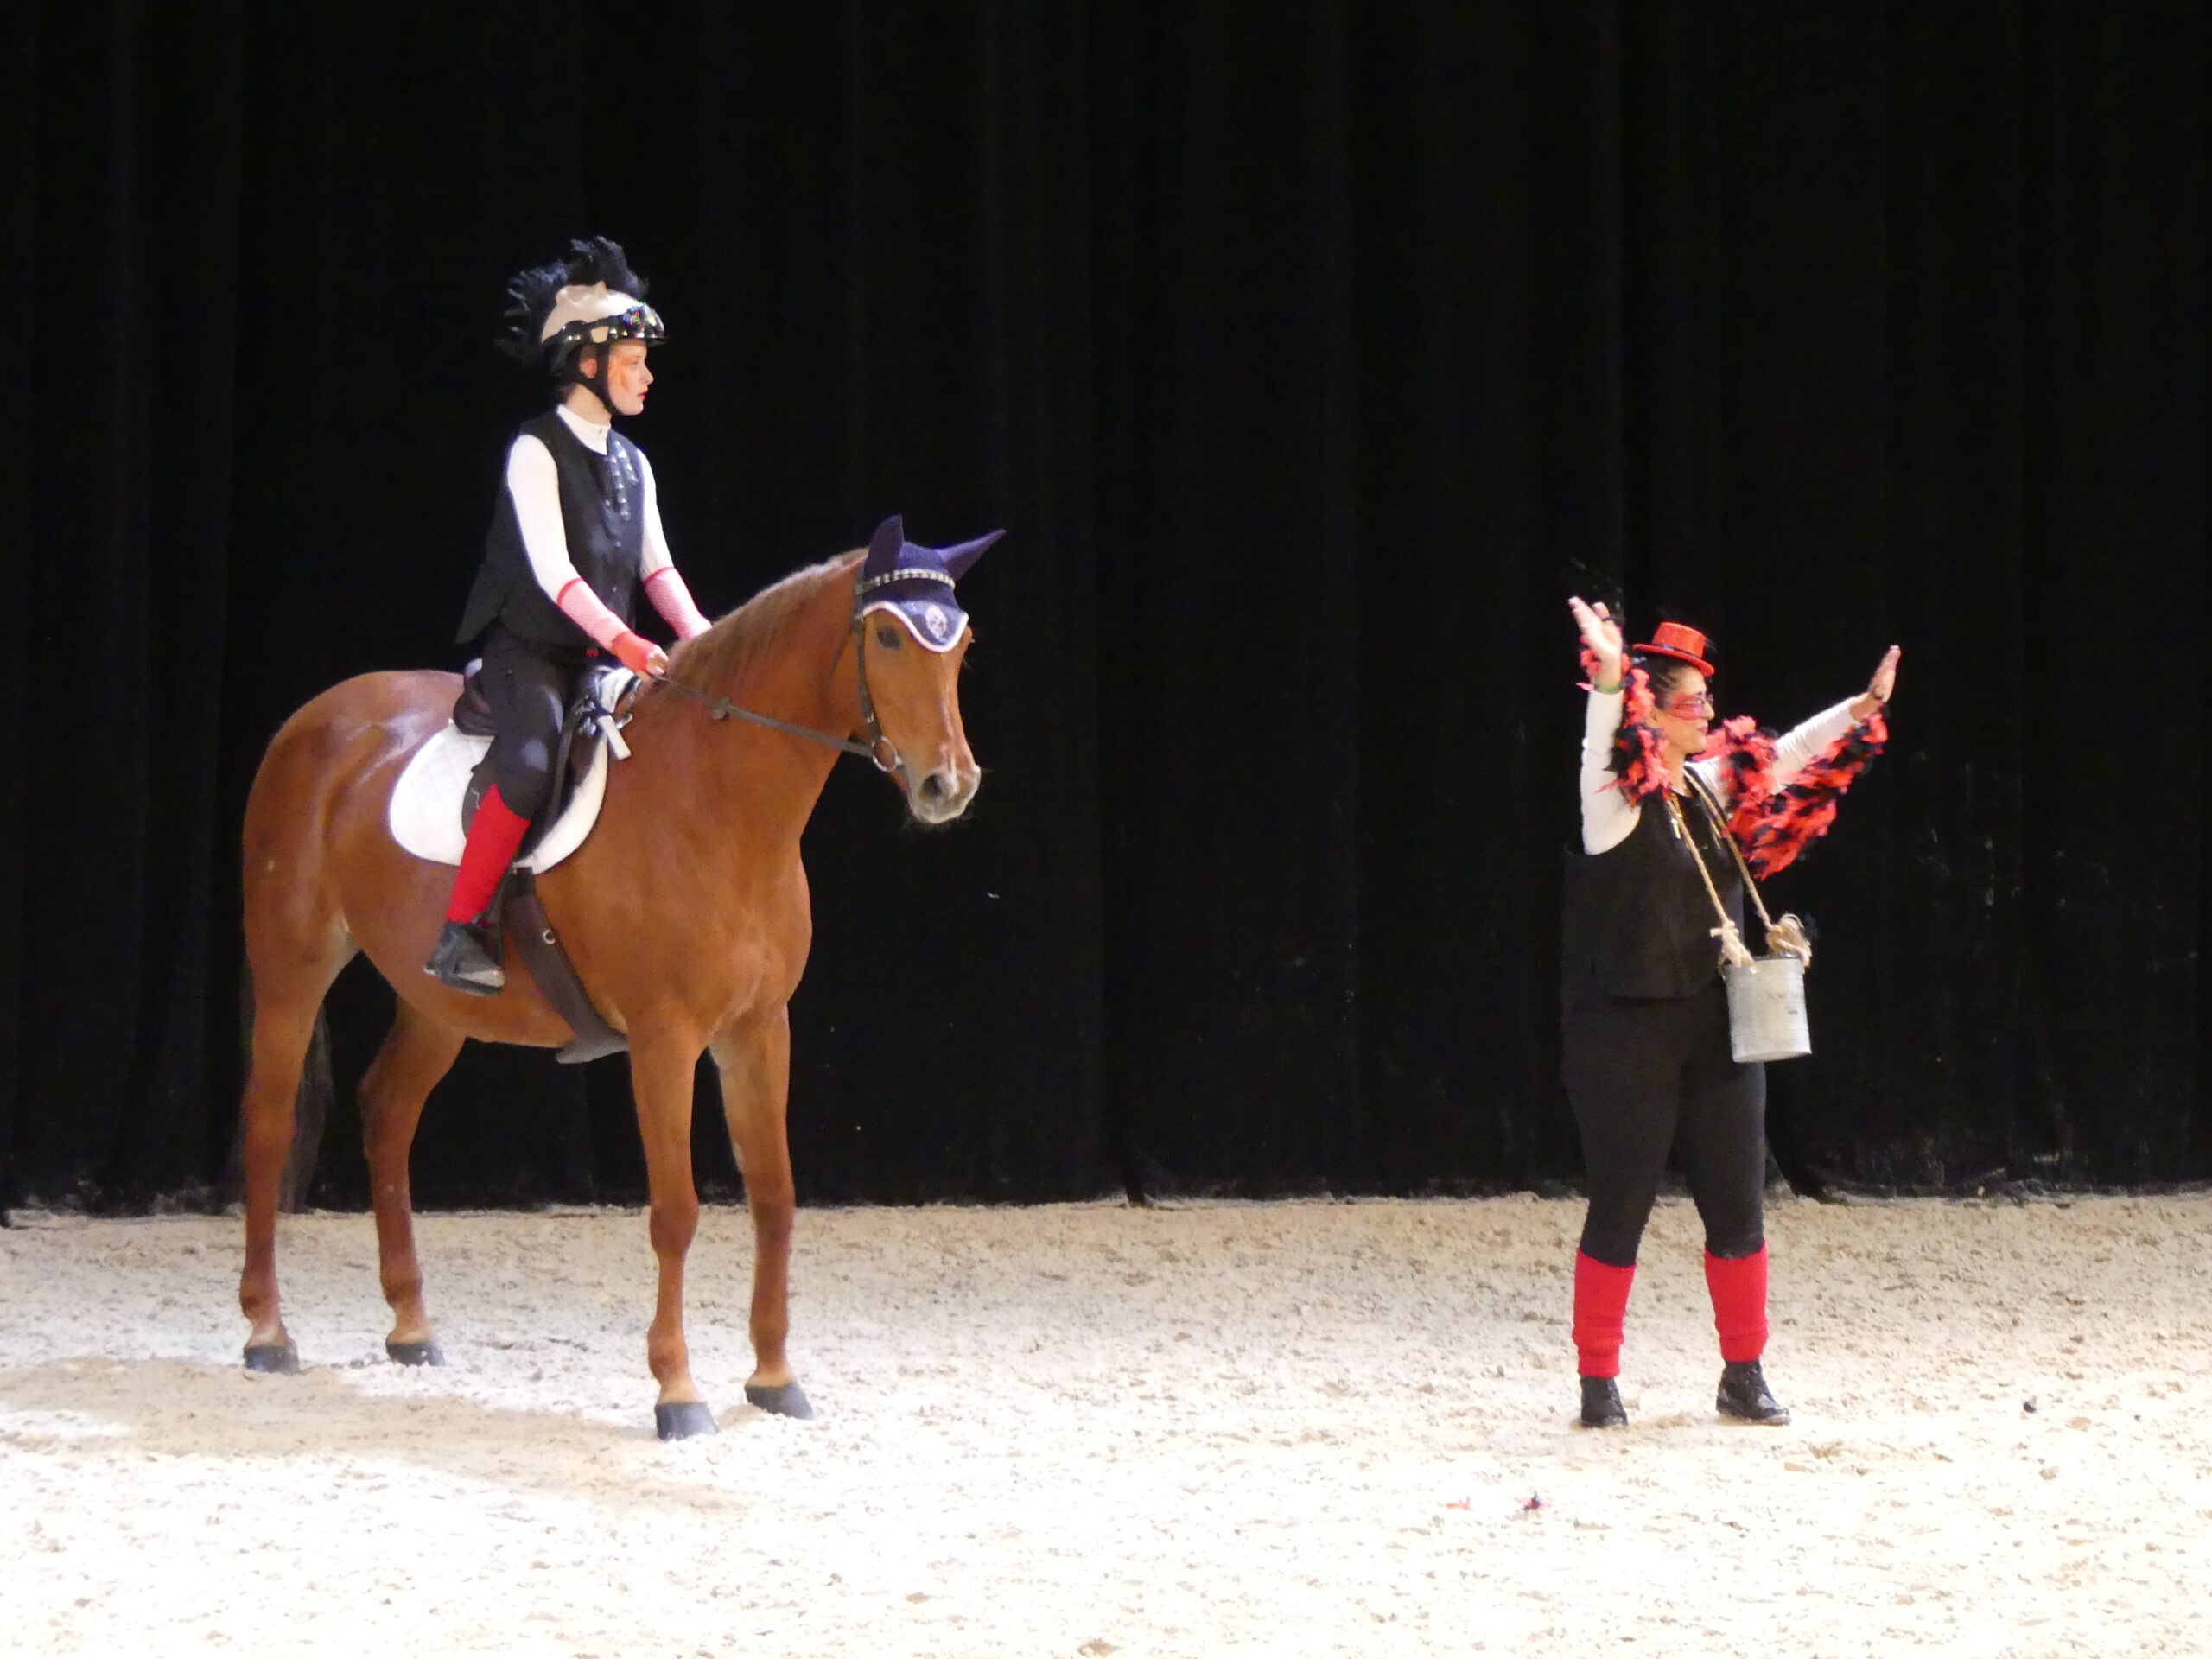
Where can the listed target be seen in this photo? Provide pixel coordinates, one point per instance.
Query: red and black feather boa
(1793, 818)
(1773, 826)
(1639, 753)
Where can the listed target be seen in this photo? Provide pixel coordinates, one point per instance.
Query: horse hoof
(683, 1420)
(415, 1353)
(274, 1358)
(785, 1401)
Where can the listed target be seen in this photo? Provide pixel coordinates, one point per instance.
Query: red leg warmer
(1601, 1310)
(495, 835)
(1738, 1289)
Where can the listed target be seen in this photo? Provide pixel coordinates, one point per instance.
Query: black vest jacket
(1638, 920)
(603, 513)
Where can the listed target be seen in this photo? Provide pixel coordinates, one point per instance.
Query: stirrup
(467, 958)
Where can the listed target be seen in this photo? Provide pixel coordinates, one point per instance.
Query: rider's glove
(639, 655)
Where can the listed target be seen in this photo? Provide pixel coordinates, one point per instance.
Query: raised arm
(1601, 638)
(1797, 748)
(1879, 689)
(1608, 815)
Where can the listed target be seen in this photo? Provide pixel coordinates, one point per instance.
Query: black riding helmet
(586, 300)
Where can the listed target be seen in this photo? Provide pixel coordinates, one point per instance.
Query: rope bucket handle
(1785, 937)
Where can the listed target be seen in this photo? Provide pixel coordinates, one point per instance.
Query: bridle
(879, 751)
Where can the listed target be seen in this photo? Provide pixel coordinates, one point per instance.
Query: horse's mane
(726, 654)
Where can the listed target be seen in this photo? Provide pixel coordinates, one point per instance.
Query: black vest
(1638, 919)
(603, 512)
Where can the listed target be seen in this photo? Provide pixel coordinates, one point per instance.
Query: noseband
(879, 751)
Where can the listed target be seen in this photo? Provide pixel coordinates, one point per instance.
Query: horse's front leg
(755, 1058)
(661, 1069)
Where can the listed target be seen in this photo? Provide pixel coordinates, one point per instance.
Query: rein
(879, 751)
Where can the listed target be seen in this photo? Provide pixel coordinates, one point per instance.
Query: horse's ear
(957, 559)
(883, 546)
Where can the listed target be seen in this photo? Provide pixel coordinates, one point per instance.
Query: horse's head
(912, 637)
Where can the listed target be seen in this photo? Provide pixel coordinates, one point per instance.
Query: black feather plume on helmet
(531, 293)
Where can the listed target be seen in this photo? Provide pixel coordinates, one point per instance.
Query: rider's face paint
(628, 377)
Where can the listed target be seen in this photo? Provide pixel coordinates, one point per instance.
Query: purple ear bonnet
(916, 582)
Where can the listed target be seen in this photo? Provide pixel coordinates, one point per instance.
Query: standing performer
(1646, 1058)
(576, 529)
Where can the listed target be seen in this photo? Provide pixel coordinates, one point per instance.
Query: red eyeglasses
(1688, 705)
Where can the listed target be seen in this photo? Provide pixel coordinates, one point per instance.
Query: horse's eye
(887, 636)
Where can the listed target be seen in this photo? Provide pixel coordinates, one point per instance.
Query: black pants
(529, 688)
(1646, 1074)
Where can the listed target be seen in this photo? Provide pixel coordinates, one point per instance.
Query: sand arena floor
(1281, 1429)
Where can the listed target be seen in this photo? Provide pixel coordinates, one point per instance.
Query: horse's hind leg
(755, 1058)
(417, 1053)
(285, 1006)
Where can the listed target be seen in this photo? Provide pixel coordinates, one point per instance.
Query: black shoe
(1601, 1404)
(1744, 1394)
(467, 957)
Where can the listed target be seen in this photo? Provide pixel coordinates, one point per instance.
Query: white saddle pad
(425, 812)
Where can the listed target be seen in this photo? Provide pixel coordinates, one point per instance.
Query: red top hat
(1683, 645)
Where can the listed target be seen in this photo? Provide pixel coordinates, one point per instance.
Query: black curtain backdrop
(1312, 355)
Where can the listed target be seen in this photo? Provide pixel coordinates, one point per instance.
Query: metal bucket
(1766, 1010)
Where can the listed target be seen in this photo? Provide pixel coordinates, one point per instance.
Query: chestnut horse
(685, 913)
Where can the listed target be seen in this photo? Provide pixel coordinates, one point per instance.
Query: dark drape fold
(131, 332)
(1227, 506)
(1311, 358)
(18, 171)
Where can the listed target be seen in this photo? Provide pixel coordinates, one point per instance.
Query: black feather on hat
(531, 293)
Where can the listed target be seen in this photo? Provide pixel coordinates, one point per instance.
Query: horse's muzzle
(942, 793)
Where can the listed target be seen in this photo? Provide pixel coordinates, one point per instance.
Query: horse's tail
(310, 1109)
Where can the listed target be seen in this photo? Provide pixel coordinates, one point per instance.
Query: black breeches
(1644, 1076)
(530, 688)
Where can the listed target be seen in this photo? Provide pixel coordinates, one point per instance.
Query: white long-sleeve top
(1609, 816)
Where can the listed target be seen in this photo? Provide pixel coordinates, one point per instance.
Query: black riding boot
(1601, 1404)
(467, 958)
(1744, 1394)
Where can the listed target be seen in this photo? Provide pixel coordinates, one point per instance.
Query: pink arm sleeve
(584, 608)
(673, 600)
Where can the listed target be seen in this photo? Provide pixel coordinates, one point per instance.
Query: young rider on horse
(575, 531)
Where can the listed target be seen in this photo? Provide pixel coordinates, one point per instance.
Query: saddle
(436, 794)
(593, 719)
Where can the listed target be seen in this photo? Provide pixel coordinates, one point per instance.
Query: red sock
(1738, 1289)
(494, 834)
(1601, 1310)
